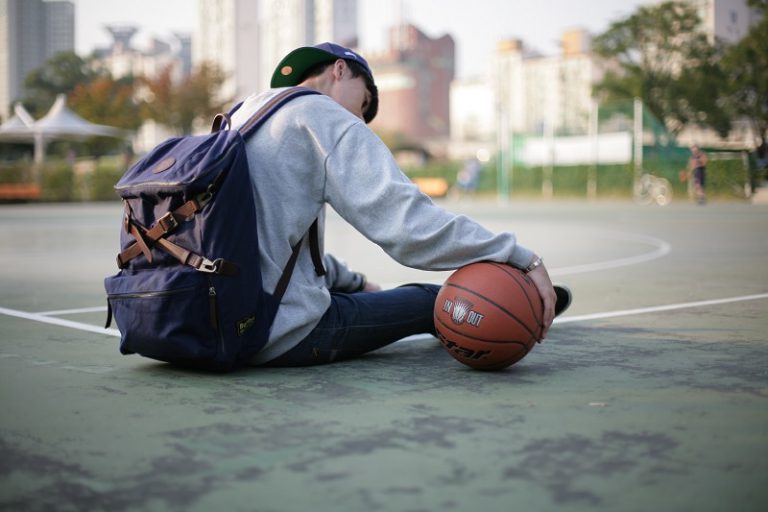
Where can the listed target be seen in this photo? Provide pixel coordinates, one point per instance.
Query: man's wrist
(535, 263)
(363, 282)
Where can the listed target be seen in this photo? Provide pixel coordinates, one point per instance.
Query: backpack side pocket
(170, 316)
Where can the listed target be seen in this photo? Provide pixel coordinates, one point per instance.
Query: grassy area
(726, 177)
(60, 180)
(63, 181)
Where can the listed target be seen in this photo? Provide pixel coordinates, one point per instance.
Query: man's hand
(540, 278)
(371, 287)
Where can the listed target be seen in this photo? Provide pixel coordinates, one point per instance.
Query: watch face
(537, 262)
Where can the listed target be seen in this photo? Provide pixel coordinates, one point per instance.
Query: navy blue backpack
(189, 290)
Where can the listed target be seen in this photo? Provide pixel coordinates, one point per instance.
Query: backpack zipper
(213, 307)
(150, 295)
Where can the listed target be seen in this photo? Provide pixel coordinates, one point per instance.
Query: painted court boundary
(43, 318)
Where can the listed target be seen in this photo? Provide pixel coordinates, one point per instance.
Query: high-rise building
(247, 38)
(227, 36)
(336, 21)
(726, 20)
(31, 32)
(414, 76)
(288, 24)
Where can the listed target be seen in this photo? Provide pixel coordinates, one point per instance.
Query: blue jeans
(356, 323)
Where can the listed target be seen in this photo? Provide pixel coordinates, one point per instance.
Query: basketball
(488, 315)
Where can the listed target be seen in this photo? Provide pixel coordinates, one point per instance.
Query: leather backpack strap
(146, 238)
(183, 255)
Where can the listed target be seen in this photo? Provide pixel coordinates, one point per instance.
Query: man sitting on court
(317, 151)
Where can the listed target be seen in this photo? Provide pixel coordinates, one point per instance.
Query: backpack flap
(181, 164)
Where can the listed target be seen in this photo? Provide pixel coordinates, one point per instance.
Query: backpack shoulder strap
(317, 259)
(246, 130)
(277, 101)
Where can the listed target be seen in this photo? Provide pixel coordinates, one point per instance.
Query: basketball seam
(476, 338)
(511, 274)
(515, 317)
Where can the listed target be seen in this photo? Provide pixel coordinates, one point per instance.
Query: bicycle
(649, 188)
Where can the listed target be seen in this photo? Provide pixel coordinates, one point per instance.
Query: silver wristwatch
(537, 262)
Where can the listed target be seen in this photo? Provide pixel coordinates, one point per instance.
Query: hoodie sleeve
(366, 187)
(339, 278)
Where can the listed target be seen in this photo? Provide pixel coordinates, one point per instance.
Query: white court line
(96, 309)
(37, 317)
(572, 319)
(662, 249)
(656, 309)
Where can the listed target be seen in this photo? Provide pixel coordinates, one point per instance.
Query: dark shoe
(563, 298)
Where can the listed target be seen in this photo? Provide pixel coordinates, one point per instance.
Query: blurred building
(31, 32)
(227, 36)
(473, 118)
(414, 76)
(122, 58)
(288, 24)
(725, 20)
(247, 38)
(546, 94)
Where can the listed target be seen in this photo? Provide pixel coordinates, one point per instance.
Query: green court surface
(650, 393)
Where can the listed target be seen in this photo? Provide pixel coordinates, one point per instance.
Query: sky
(475, 25)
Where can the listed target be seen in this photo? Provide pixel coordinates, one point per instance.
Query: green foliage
(60, 75)
(108, 101)
(57, 182)
(746, 67)
(60, 182)
(726, 176)
(16, 172)
(443, 169)
(179, 105)
(102, 183)
(664, 58)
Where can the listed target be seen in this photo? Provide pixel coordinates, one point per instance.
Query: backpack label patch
(245, 324)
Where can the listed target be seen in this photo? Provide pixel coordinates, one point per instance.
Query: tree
(746, 68)
(60, 74)
(179, 105)
(110, 102)
(663, 58)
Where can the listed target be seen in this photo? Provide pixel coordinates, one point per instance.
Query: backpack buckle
(204, 198)
(168, 222)
(208, 266)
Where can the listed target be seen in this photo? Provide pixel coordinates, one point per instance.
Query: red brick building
(414, 78)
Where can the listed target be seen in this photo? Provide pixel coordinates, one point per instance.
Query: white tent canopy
(59, 123)
(19, 127)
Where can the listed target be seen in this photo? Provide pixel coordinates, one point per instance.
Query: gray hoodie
(313, 152)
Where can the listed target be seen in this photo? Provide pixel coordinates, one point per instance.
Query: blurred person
(697, 167)
(467, 178)
(317, 150)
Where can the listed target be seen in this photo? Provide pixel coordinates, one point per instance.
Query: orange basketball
(488, 315)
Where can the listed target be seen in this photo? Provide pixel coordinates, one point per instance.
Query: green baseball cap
(293, 66)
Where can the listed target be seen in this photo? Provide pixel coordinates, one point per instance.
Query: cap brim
(293, 66)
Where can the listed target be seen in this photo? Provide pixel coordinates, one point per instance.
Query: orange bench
(19, 191)
(434, 187)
